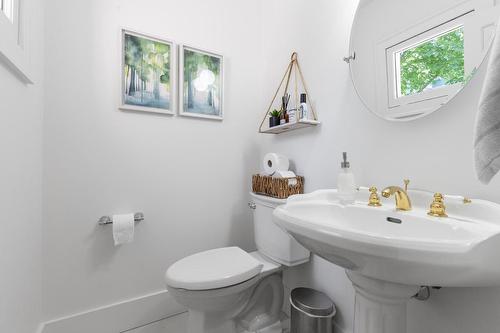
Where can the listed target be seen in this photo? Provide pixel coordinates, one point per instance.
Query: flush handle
(252, 205)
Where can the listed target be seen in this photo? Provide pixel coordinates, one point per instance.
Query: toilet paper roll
(123, 228)
(292, 177)
(273, 162)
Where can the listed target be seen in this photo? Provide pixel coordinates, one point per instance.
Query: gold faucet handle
(437, 208)
(374, 199)
(407, 182)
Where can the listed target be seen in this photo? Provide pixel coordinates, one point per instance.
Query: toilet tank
(271, 240)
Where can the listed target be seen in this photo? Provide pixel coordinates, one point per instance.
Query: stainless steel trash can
(311, 311)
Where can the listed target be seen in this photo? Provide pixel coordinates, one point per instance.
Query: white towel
(487, 130)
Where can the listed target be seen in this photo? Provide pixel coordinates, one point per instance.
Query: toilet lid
(213, 269)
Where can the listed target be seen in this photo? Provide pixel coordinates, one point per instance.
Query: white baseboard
(122, 316)
(117, 317)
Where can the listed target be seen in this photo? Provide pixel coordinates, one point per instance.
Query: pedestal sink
(389, 254)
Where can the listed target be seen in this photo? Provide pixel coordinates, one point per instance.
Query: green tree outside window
(434, 63)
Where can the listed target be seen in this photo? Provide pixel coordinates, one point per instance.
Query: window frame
(14, 47)
(424, 100)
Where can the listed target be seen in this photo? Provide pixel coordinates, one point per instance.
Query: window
(7, 7)
(431, 64)
(425, 66)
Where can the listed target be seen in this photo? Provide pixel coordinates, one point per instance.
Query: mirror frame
(351, 58)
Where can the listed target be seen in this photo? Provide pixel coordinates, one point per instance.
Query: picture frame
(148, 73)
(201, 83)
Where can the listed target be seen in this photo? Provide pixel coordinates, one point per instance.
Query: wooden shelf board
(291, 127)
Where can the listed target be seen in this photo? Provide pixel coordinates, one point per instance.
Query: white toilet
(228, 290)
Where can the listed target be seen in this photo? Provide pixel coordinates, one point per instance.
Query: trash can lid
(312, 302)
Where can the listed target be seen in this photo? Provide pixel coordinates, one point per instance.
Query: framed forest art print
(148, 73)
(201, 85)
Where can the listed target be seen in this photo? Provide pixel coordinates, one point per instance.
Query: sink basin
(402, 247)
(388, 254)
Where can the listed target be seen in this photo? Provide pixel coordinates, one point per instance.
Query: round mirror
(410, 57)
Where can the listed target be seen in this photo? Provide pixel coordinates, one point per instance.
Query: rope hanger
(293, 67)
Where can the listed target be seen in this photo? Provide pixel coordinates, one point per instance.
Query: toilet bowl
(228, 290)
(245, 295)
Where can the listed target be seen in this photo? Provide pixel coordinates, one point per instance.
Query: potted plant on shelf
(274, 118)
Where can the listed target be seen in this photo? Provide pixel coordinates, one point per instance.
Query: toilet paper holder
(109, 220)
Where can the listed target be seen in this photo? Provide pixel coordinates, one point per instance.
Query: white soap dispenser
(346, 186)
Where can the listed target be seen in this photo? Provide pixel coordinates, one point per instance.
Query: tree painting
(436, 62)
(202, 86)
(146, 72)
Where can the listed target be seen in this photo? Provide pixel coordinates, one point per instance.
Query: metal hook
(350, 58)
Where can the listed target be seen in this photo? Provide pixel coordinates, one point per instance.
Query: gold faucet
(402, 200)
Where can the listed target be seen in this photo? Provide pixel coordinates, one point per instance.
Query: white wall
(190, 177)
(21, 109)
(434, 152)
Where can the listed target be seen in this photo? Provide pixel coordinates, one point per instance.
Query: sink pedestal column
(380, 306)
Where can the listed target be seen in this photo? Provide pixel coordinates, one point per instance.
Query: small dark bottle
(283, 118)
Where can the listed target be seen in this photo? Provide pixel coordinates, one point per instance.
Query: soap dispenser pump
(346, 185)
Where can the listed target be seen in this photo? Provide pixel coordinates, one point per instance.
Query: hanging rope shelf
(299, 118)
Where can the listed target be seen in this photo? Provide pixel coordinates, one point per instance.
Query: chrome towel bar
(109, 220)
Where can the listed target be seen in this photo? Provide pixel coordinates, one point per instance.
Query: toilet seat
(213, 269)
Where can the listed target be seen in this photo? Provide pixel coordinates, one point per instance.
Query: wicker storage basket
(276, 187)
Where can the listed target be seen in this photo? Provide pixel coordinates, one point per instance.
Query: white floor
(175, 324)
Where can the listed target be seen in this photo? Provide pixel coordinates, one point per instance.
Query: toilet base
(251, 307)
(201, 322)
(275, 328)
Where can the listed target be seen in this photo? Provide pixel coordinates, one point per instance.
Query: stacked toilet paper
(277, 165)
